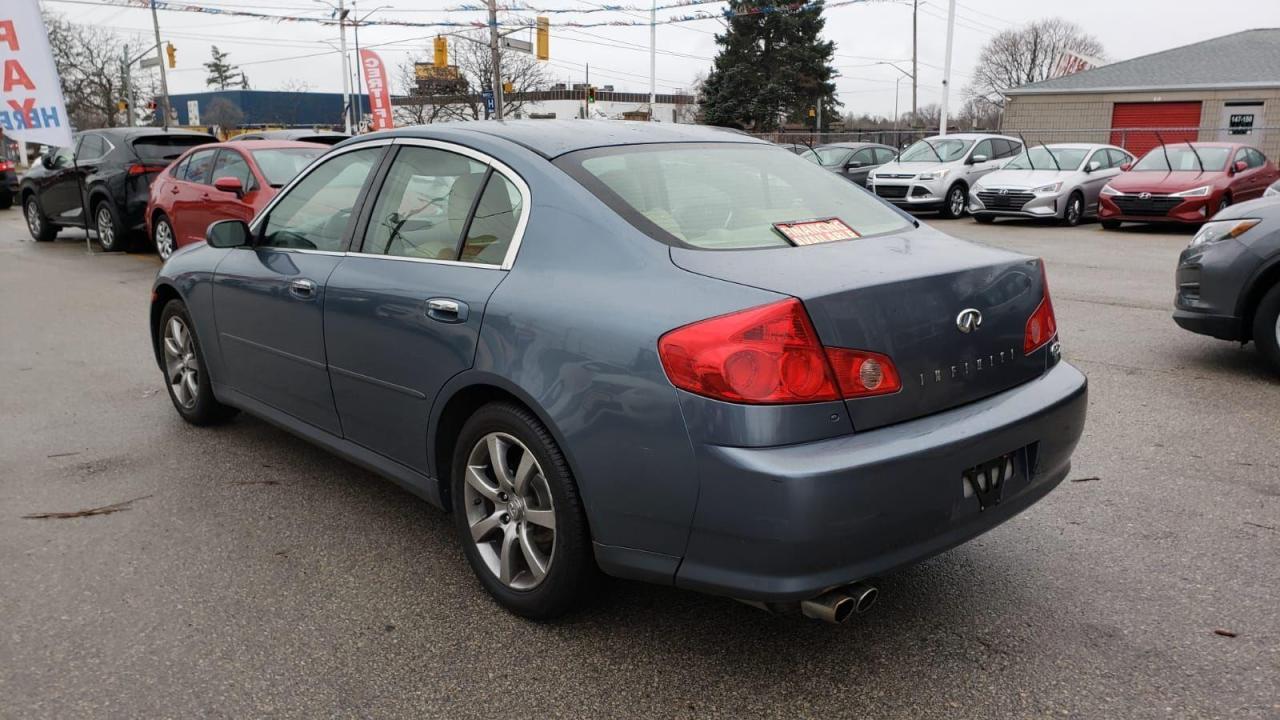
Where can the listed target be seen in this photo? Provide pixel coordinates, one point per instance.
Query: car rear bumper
(783, 524)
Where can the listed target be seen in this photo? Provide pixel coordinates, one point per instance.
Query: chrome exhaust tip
(834, 607)
(864, 596)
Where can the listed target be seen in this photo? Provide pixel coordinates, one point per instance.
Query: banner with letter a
(31, 104)
(375, 78)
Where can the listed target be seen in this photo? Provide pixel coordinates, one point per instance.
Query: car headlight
(933, 175)
(1271, 192)
(1212, 232)
(1108, 190)
(1201, 191)
(1050, 188)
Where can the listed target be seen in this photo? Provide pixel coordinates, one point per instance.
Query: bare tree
(89, 61)
(223, 113)
(1024, 55)
(431, 107)
(475, 65)
(296, 85)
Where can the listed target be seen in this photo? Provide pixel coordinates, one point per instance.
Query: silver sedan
(1058, 181)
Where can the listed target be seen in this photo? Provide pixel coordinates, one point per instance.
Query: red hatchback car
(1185, 183)
(222, 181)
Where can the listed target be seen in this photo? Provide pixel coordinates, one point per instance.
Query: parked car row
(992, 176)
(165, 185)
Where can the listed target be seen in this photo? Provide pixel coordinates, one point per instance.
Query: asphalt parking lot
(254, 575)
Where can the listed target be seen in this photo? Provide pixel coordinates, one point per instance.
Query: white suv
(937, 172)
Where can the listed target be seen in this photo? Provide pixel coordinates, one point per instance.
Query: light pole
(496, 56)
(341, 11)
(653, 57)
(355, 28)
(946, 70)
(896, 138)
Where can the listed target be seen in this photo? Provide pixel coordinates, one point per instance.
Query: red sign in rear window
(812, 232)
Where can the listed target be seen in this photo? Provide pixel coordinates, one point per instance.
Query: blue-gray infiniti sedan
(661, 352)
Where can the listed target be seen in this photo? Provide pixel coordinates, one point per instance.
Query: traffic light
(591, 93)
(122, 105)
(543, 39)
(442, 51)
(508, 87)
(172, 52)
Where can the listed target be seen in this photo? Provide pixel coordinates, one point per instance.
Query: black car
(8, 175)
(102, 184)
(1228, 279)
(324, 137)
(851, 160)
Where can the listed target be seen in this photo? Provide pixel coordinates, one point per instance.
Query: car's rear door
(402, 315)
(186, 194)
(269, 299)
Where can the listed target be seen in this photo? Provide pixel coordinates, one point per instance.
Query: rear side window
(723, 195)
(92, 147)
(424, 203)
(166, 148)
(494, 223)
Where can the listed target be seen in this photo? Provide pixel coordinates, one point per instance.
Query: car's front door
(1098, 170)
(59, 187)
(859, 164)
(269, 299)
(403, 315)
(222, 205)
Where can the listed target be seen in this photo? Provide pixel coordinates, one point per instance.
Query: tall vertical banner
(31, 105)
(375, 78)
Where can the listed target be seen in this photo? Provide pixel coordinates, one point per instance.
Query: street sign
(523, 46)
(489, 106)
(148, 63)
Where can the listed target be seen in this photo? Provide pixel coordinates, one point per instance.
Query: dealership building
(1225, 88)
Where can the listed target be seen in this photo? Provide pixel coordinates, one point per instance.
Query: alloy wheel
(106, 228)
(164, 239)
(1073, 211)
(957, 202)
(34, 223)
(182, 368)
(510, 511)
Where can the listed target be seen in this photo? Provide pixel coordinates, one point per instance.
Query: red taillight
(769, 355)
(1042, 326)
(6, 165)
(140, 169)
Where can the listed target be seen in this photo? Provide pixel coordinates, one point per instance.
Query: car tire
(955, 202)
(1223, 204)
(1266, 328)
(162, 237)
(1073, 213)
(182, 361)
(1110, 224)
(106, 221)
(524, 533)
(37, 224)
(984, 218)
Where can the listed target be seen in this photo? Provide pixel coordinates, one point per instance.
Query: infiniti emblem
(968, 320)
(1144, 196)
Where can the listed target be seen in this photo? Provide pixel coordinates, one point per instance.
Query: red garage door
(1176, 121)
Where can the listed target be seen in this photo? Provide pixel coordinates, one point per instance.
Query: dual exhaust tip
(837, 606)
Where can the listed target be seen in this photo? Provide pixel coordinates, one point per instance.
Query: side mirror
(975, 159)
(1126, 167)
(46, 159)
(1092, 166)
(227, 234)
(853, 164)
(1241, 166)
(229, 185)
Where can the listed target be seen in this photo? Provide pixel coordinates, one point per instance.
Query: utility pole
(915, 71)
(124, 88)
(164, 81)
(946, 66)
(359, 104)
(653, 57)
(496, 59)
(346, 65)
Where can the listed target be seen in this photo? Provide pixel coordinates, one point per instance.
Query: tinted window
(328, 139)
(166, 148)
(314, 214)
(92, 147)
(198, 167)
(423, 205)
(494, 223)
(281, 166)
(724, 196)
(232, 164)
(1001, 147)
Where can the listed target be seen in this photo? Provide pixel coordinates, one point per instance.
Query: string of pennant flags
(526, 7)
(726, 13)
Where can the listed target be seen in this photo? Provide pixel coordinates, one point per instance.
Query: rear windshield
(724, 196)
(167, 147)
(282, 165)
(1184, 158)
(1042, 158)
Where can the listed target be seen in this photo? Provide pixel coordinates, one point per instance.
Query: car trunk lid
(902, 296)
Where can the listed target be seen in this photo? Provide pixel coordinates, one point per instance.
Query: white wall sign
(193, 112)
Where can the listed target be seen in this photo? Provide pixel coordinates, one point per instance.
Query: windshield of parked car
(947, 150)
(1041, 158)
(1182, 158)
(829, 157)
(151, 148)
(724, 195)
(282, 165)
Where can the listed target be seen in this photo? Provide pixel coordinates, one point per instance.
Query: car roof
(276, 144)
(133, 132)
(853, 145)
(287, 133)
(552, 138)
(1076, 146)
(970, 136)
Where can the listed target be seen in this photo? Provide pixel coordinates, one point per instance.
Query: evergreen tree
(772, 66)
(222, 74)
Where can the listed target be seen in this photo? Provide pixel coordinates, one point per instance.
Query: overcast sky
(879, 30)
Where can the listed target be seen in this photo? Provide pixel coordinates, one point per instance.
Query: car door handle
(303, 288)
(447, 310)
(174, 191)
